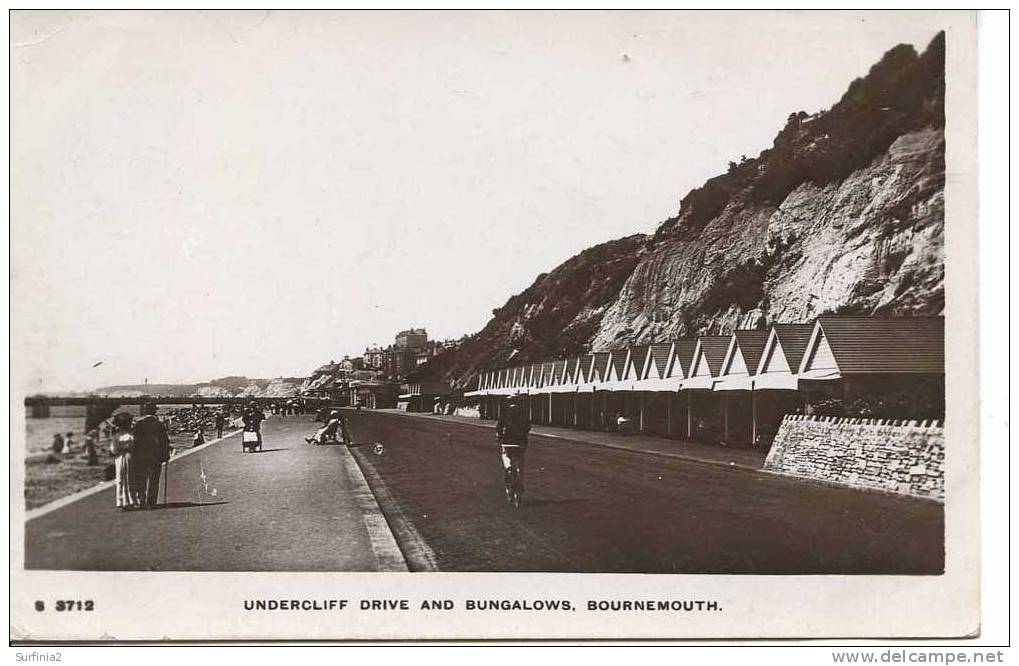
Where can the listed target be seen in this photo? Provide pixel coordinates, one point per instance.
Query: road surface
(291, 507)
(594, 509)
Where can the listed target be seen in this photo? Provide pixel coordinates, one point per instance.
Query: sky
(195, 195)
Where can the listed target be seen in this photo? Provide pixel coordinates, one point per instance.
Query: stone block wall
(905, 457)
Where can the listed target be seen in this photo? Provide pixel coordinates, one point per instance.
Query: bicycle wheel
(518, 493)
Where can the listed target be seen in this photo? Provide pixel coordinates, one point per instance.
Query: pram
(251, 440)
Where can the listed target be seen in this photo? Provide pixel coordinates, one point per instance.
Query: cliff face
(844, 213)
(557, 315)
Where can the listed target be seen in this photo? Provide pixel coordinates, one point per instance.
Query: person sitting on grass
(199, 438)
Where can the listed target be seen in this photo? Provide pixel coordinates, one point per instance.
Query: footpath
(290, 507)
(637, 443)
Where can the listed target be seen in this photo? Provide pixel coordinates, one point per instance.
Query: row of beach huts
(734, 389)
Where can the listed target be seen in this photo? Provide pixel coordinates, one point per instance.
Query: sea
(68, 419)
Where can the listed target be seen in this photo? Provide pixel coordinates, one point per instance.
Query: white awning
(776, 381)
(671, 385)
(732, 383)
(821, 374)
(701, 382)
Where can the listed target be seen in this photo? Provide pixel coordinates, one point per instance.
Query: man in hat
(152, 449)
(220, 423)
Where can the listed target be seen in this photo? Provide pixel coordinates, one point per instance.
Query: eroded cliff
(844, 213)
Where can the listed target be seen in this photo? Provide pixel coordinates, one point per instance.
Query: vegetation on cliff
(843, 213)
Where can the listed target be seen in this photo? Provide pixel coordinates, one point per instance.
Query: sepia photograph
(683, 296)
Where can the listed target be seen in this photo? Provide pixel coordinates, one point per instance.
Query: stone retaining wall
(905, 457)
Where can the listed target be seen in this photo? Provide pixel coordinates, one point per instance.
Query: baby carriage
(251, 439)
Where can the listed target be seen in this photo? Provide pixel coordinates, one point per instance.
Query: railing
(849, 420)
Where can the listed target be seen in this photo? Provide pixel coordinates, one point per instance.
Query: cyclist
(511, 431)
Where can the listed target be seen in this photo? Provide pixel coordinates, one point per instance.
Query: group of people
(198, 420)
(65, 444)
(140, 448)
(289, 407)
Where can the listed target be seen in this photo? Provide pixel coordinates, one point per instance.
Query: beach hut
(596, 378)
(780, 361)
(880, 362)
(735, 382)
(705, 419)
(776, 382)
(656, 368)
(584, 406)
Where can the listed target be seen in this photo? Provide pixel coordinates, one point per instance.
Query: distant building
(398, 361)
(410, 350)
(412, 338)
(373, 357)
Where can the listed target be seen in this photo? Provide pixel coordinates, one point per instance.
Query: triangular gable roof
(570, 372)
(534, 374)
(880, 345)
(682, 357)
(557, 372)
(637, 360)
(819, 355)
(709, 355)
(793, 339)
(773, 359)
(546, 373)
(751, 345)
(599, 364)
(617, 365)
(659, 357)
(744, 352)
(584, 369)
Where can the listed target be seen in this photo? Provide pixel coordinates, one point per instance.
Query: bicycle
(513, 474)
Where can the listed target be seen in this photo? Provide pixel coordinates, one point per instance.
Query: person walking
(129, 495)
(220, 424)
(152, 444)
(91, 438)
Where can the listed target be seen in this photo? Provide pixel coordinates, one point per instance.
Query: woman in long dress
(122, 447)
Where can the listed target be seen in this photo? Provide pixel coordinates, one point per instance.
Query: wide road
(594, 509)
(290, 507)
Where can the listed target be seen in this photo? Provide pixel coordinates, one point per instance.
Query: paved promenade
(292, 507)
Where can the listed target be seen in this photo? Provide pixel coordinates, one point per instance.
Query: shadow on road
(184, 505)
(549, 502)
